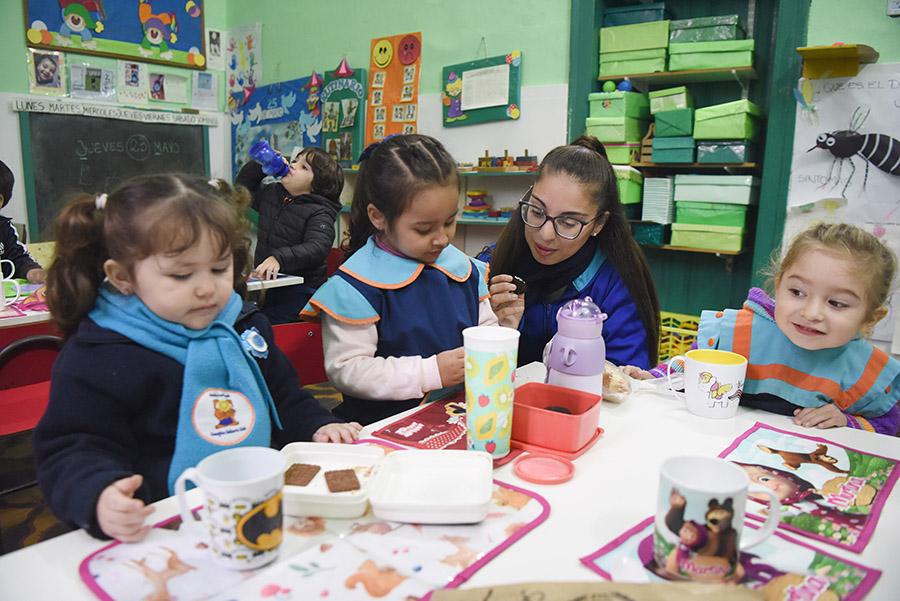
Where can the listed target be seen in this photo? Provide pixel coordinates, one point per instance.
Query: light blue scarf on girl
(213, 358)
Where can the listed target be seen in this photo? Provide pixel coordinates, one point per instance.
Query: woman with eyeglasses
(570, 239)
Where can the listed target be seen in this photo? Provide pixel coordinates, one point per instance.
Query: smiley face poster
(393, 86)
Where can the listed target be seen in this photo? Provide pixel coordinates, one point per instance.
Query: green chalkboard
(466, 102)
(67, 154)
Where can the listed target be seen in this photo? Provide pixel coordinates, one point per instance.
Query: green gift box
(733, 189)
(679, 122)
(673, 150)
(710, 55)
(711, 213)
(639, 36)
(738, 120)
(709, 237)
(649, 60)
(725, 151)
(623, 153)
(619, 104)
(630, 183)
(649, 233)
(670, 99)
(616, 129)
(706, 29)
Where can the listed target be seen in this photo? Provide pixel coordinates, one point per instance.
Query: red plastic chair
(302, 343)
(21, 407)
(333, 261)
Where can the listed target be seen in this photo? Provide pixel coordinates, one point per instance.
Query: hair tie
(100, 201)
(215, 184)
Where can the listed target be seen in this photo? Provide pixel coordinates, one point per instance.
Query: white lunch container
(433, 487)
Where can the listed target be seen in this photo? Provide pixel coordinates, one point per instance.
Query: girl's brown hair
(391, 173)
(328, 176)
(584, 160)
(865, 251)
(145, 215)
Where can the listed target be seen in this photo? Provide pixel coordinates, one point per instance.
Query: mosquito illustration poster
(851, 151)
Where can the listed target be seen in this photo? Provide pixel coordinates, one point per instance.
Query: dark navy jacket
(113, 412)
(623, 330)
(12, 249)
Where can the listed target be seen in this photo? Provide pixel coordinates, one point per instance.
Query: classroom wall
(14, 82)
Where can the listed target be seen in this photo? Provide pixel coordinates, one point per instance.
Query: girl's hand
(452, 366)
(506, 304)
(338, 433)
(268, 269)
(636, 372)
(826, 416)
(36, 275)
(119, 514)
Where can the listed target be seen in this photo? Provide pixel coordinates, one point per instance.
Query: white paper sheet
(485, 87)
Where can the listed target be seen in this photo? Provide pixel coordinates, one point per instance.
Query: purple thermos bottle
(577, 353)
(272, 163)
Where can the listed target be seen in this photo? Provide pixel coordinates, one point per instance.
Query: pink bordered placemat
(781, 567)
(829, 492)
(363, 558)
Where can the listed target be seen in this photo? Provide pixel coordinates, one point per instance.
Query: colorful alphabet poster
(243, 63)
(169, 32)
(394, 86)
(484, 90)
(828, 492)
(285, 114)
(343, 110)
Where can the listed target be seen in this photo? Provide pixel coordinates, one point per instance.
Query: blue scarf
(225, 401)
(858, 377)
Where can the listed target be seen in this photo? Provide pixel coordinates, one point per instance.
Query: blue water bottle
(272, 163)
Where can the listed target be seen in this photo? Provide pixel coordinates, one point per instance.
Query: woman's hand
(637, 373)
(826, 416)
(119, 514)
(452, 366)
(268, 269)
(338, 433)
(506, 304)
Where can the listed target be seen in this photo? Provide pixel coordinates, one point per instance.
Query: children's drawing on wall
(157, 86)
(330, 119)
(92, 82)
(133, 86)
(163, 31)
(349, 106)
(278, 113)
(243, 63)
(46, 73)
(214, 57)
(850, 151)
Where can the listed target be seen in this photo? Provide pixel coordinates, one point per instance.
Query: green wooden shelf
(483, 220)
(740, 74)
(697, 166)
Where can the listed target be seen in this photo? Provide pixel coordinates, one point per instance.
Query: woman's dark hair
(584, 160)
(391, 173)
(328, 176)
(144, 216)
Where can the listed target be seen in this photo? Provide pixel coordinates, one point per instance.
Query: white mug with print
(713, 382)
(8, 300)
(699, 529)
(242, 518)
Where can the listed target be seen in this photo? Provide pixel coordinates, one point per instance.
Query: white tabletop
(252, 286)
(613, 489)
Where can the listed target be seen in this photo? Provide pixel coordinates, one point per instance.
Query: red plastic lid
(542, 468)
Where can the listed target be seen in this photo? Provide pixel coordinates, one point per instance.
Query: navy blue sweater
(113, 412)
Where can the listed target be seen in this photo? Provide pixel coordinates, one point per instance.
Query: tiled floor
(25, 518)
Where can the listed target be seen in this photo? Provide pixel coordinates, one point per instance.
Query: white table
(252, 286)
(613, 489)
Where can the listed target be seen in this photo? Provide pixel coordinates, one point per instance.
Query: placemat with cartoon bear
(350, 560)
(781, 567)
(828, 491)
(437, 425)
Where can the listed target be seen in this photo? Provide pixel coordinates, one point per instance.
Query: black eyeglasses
(535, 216)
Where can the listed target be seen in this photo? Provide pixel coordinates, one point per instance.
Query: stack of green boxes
(629, 49)
(619, 120)
(673, 111)
(711, 210)
(708, 43)
(725, 132)
(630, 183)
